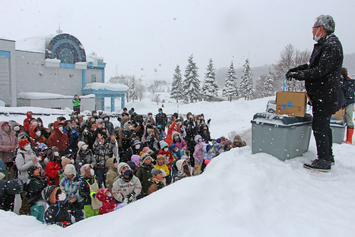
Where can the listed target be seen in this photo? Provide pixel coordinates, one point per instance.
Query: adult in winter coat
(349, 90)
(53, 167)
(107, 124)
(128, 133)
(149, 120)
(322, 81)
(59, 138)
(73, 136)
(161, 118)
(174, 127)
(184, 170)
(126, 186)
(191, 131)
(25, 159)
(204, 132)
(36, 135)
(8, 143)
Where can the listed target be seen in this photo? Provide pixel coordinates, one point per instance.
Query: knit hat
(2, 176)
(155, 172)
(136, 142)
(219, 140)
(85, 170)
(66, 161)
(22, 143)
(135, 159)
(163, 144)
(69, 169)
(132, 165)
(146, 150)
(49, 194)
(144, 157)
(80, 144)
(160, 157)
(173, 146)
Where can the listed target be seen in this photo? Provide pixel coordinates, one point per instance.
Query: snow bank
(43, 95)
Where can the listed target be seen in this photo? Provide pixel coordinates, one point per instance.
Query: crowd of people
(84, 166)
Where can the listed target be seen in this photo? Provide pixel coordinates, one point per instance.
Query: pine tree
(191, 83)
(132, 94)
(177, 92)
(246, 85)
(230, 86)
(268, 87)
(210, 87)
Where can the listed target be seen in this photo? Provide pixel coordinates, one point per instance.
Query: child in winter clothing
(209, 153)
(152, 142)
(199, 154)
(8, 190)
(70, 187)
(34, 189)
(89, 185)
(58, 211)
(84, 156)
(238, 142)
(177, 154)
(54, 167)
(144, 173)
(227, 145)
(161, 133)
(108, 203)
(184, 170)
(162, 166)
(65, 162)
(179, 141)
(111, 173)
(156, 182)
(126, 185)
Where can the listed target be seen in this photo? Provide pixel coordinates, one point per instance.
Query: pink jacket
(182, 144)
(6, 142)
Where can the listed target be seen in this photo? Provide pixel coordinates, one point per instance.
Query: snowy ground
(240, 194)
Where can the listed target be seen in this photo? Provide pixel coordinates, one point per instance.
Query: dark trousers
(101, 176)
(323, 135)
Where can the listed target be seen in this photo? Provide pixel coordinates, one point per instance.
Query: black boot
(332, 162)
(320, 165)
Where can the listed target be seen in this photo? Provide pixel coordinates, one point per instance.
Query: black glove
(130, 197)
(295, 75)
(288, 77)
(208, 121)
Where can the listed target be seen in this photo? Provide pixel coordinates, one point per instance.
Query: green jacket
(144, 174)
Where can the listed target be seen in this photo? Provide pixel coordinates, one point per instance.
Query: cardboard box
(338, 115)
(291, 103)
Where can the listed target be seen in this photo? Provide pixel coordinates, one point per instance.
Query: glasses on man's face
(315, 27)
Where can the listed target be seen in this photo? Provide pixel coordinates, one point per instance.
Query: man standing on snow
(161, 119)
(322, 81)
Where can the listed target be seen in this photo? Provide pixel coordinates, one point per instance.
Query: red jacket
(26, 122)
(171, 129)
(108, 204)
(58, 138)
(33, 135)
(52, 172)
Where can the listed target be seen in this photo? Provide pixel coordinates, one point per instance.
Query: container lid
(277, 119)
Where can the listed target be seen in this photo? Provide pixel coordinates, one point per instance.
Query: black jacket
(322, 76)
(161, 119)
(34, 189)
(349, 90)
(57, 213)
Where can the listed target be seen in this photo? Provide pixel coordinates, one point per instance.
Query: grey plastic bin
(282, 136)
(338, 130)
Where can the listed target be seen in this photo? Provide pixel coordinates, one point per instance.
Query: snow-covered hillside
(239, 194)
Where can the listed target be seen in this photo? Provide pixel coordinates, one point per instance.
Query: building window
(93, 78)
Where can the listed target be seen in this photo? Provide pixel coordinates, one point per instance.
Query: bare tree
(140, 89)
(156, 98)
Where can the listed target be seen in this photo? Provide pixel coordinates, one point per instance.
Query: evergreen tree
(177, 92)
(132, 94)
(230, 86)
(191, 83)
(268, 88)
(210, 87)
(246, 85)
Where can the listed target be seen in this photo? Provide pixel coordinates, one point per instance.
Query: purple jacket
(182, 144)
(6, 142)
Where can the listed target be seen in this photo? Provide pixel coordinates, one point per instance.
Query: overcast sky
(149, 38)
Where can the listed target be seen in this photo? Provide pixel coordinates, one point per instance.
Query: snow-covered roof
(34, 44)
(43, 95)
(106, 86)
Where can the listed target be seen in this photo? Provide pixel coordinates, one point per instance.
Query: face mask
(316, 38)
(176, 138)
(92, 172)
(166, 149)
(150, 116)
(40, 124)
(190, 116)
(62, 197)
(52, 128)
(105, 119)
(185, 166)
(17, 128)
(61, 129)
(56, 153)
(109, 195)
(94, 115)
(34, 123)
(138, 146)
(27, 148)
(85, 147)
(77, 121)
(200, 140)
(127, 172)
(38, 133)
